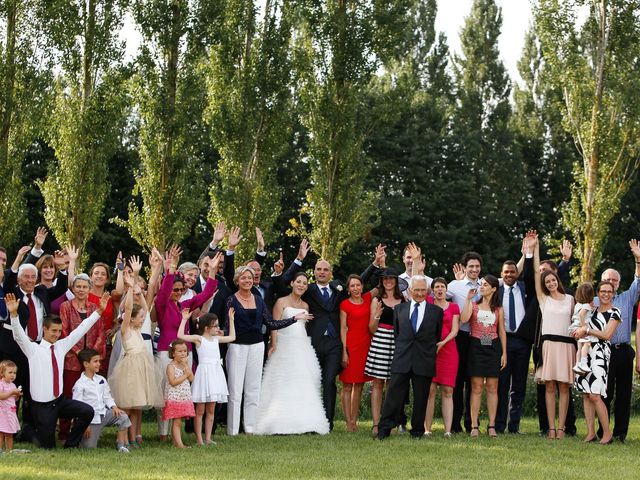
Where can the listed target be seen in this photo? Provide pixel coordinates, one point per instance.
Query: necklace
(244, 299)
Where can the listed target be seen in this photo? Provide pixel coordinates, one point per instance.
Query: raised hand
(20, 255)
(566, 249)
(119, 261)
(303, 250)
(155, 259)
(128, 279)
(104, 301)
(471, 293)
(60, 259)
(135, 263)
(635, 248)
(40, 237)
(381, 255)
(458, 271)
(176, 252)
(12, 304)
(234, 238)
(379, 308)
(72, 252)
(186, 313)
(259, 240)
(278, 267)
(414, 251)
(214, 263)
(218, 233)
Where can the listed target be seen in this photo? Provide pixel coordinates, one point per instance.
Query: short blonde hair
(240, 270)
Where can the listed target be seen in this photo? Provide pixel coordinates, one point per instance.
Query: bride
(290, 400)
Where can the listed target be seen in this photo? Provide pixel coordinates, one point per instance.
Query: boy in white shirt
(93, 390)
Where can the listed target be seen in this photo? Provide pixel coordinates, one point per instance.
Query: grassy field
(341, 455)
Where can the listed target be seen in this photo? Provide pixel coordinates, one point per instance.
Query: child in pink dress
(178, 403)
(8, 393)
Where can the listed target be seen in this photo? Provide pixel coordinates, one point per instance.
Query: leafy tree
(249, 112)
(89, 113)
(170, 96)
(24, 96)
(595, 63)
(339, 45)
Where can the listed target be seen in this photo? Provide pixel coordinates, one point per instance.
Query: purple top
(169, 314)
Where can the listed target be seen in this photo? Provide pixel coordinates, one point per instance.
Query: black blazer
(416, 352)
(45, 295)
(526, 329)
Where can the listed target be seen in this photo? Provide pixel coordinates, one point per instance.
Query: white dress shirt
(421, 308)
(458, 289)
(95, 392)
(517, 296)
(39, 356)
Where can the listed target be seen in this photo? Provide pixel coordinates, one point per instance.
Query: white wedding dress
(290, 401)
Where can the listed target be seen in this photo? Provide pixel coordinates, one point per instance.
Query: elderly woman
(593, 385)
(72, 313)
(169, 311)
(245, 356)
(558, 348)
(190, 273)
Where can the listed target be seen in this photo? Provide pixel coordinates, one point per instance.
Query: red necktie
(32, 324)
(56, 378)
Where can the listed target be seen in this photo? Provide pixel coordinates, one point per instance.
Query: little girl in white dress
(209, 384)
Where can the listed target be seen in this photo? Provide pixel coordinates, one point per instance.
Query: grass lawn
(341, 455)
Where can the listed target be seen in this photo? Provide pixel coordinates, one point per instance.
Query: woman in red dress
(356, 338)
(446, 358)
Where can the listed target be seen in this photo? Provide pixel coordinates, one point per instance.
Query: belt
(385, 326)
(618, 346)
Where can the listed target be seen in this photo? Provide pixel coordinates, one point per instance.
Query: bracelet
(588, 330)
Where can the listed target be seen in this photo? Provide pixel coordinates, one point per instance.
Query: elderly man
(417, 326)
(622, 354)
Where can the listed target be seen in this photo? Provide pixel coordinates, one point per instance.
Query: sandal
(476, 430)
(551, 436)
(560, 433)
(374, 431)
(492, 427)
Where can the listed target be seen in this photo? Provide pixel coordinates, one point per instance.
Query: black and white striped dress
(598, 360)
(382, 347)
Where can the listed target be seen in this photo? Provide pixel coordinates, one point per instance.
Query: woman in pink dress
(446, 359)
(355, 312)
(555, 369)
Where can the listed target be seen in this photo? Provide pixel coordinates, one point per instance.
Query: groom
(417, 326)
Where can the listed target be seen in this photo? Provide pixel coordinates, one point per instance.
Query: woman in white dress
(290, 400)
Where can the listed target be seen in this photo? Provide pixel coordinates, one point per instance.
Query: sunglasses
(179, 289)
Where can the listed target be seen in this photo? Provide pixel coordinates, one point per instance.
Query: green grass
(340, 455)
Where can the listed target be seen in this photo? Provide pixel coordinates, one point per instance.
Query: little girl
(135, 383)
(209, 384)
(581, 313)
(177, 393)
(8, 393)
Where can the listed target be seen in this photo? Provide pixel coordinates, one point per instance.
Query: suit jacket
(416, 351)
(45, 295)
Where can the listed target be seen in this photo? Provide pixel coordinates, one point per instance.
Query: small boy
(93, 390)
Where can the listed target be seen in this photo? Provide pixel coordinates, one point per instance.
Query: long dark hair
(494, 302)
(543, 277)
(397, 294)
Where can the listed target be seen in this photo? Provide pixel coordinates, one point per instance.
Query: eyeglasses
(179, 289)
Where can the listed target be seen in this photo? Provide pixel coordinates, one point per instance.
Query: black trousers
(619, 384)
(570, 423)
(329, 352)
(393, 408)
(462, 391)
(512, 384)
(46, 415)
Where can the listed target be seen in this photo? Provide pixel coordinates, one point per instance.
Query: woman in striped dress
(378, 364)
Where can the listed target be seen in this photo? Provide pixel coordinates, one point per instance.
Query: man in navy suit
(512, 383)
(417, 326)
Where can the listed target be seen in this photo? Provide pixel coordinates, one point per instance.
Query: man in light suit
(417, 326)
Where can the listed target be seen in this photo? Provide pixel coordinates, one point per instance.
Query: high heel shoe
(551, 436)
(494, 434)
(560, 433)
(475, 431)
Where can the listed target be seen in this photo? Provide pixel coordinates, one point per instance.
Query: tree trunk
(9, 80)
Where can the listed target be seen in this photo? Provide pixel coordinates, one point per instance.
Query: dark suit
(512, 382)
(414, 361)
(9, 349)
(328, 347)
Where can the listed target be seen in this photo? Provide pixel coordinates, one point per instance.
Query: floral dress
(177, 400)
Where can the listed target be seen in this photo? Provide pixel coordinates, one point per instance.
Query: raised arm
(209, 288)
(155, 260)
(376, 312)
(536, 272)
(19, 335)
(186, 314)
(467, 310)
(231, 315)
(74, 337)
(635, 250)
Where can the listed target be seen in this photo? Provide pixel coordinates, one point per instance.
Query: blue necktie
(326, 298)
(512, 311)
(3, 305)
(414, 318)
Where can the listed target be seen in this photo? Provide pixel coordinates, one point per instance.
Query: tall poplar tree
(89, 113)
(24, 97)
(170, 96)
(249, 85)
(595, 63)
(339, 45)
